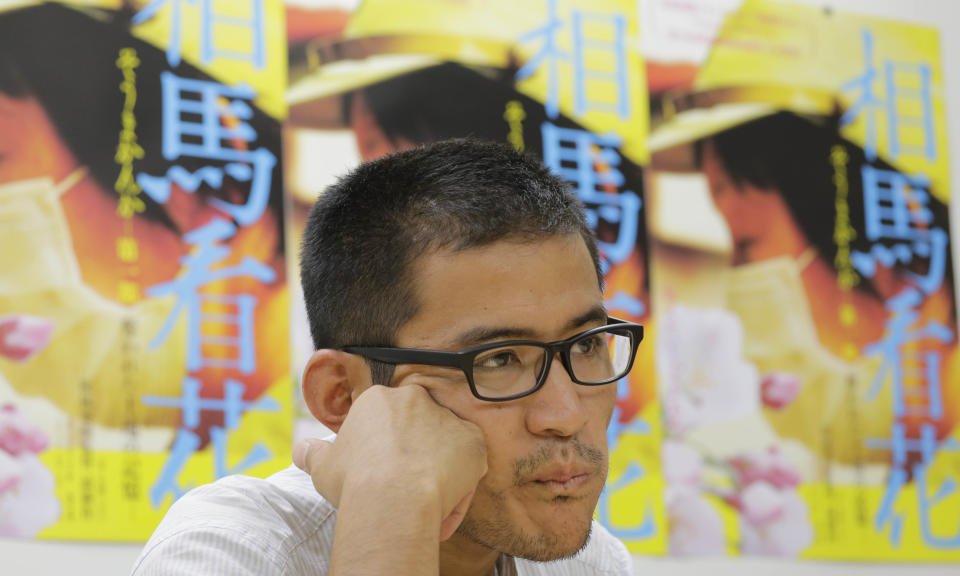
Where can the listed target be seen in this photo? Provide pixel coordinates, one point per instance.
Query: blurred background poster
(559, 79)
(802, 280)
(768, 183)
(143, 294)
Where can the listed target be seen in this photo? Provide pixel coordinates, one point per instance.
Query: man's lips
(563, 479)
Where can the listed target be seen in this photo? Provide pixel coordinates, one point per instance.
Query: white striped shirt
(282, 526)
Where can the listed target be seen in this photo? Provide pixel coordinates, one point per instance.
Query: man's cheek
(600, 407)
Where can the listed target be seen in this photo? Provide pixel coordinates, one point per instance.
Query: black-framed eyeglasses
(512, 369)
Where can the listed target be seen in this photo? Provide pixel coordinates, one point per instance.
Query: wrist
(413, 504)
(386, 527)
(418, 491)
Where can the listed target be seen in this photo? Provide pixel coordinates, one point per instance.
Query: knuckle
(376, 392)
(477, 443)
(408, 393)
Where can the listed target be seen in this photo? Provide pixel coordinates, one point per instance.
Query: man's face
(547, 453)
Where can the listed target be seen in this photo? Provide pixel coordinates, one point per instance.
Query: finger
(314, 456)
(453, 520)
(308, 452)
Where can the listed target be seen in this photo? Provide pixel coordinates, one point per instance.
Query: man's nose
(557, 408)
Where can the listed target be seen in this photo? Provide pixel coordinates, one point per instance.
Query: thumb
(450, 524)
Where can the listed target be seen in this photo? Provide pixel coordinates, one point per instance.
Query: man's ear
(331, 380)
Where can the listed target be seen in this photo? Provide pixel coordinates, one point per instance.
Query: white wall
(46, 558)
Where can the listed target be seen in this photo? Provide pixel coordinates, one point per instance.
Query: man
(465, 361)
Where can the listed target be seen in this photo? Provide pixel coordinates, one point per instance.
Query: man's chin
(544, 546)
(559, 553)
(552, 548)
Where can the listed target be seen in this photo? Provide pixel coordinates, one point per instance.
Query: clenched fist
(397, 446)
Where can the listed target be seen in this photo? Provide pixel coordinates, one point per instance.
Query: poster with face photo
(803, 279)
(143, 301)
(560, 80)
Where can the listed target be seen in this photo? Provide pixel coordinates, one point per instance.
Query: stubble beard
(500, 534)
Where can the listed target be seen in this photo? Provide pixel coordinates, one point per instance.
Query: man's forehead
(513, 288)
(513, 244)
(486, 333)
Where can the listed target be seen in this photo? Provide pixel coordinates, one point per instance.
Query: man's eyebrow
(484, 334)
(597, 314)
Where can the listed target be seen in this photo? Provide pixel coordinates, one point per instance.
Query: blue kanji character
(906, 85)
(198, 272)
(895, 209)
(210, 21)
(634, 471)
(204, 137)
(587, 76)
(623, 301)
(232, 404)
(926, 503)
(616, 429)
(896, 480)
(187, 442)
(900, 446)
(184, 446)
(219, 437)
(589, 161)
(897, 334)
(549, 52)
(643, 530)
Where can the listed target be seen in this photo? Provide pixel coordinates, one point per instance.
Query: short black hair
(366, 230)
(452, 100)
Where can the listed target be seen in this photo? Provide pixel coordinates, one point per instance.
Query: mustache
(527, 466)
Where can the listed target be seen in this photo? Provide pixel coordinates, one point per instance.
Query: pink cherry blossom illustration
(22, 336)
(31, 504)
(779, 389)
(682, 465)
(18, 435)
(10, 473)
(695, 525)
(704, 376)
(770, 466)
(774, 519)
(761, 503)
(28, 500)
(774, 522)
(680, 413)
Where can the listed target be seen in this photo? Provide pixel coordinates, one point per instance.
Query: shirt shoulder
(244, 525)
(604, 555)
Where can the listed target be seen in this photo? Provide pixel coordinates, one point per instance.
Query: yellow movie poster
(768, 184)
(561, 80)
(143, 292)
(803, 279)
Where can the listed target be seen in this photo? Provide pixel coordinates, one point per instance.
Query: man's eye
(588, 345)
(497, 359)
